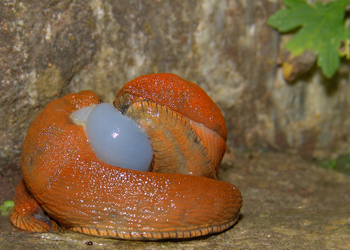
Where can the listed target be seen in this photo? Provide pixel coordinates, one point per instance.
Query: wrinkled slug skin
(179, 95)
(192, 105)
(83, 194)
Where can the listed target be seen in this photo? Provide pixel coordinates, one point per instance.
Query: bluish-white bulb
(115, 139)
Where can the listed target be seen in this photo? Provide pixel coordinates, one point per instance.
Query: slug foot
(164, 235)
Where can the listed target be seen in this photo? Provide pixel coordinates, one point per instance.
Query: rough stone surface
(43, 44)
(311, 114)
(289, 203)
(224, 47)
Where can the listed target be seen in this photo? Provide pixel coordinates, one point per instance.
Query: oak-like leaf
(321, 28)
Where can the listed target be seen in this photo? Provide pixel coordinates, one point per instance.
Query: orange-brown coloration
(28, 214)
(179, 95)
(64, 181)
(193, 107)
(176, 147)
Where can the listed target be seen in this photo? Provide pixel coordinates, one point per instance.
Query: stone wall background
(55, 47)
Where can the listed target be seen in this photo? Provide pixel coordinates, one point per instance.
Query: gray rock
(43, 45)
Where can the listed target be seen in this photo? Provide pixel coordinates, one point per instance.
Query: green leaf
(6, 207)
(289, 19)
(321, 29)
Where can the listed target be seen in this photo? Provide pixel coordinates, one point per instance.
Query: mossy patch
(340, 164)
(6, 207)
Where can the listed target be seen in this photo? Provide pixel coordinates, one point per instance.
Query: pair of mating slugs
(143, 168)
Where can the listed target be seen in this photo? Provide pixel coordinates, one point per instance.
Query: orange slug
(65, 186)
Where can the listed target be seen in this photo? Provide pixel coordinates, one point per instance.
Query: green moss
(6, 207)
(340, 164)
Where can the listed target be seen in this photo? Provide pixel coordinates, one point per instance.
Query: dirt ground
(289, 203)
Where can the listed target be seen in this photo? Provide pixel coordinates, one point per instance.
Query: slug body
(66, 186)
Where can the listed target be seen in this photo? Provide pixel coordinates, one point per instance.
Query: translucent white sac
(115, 139)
